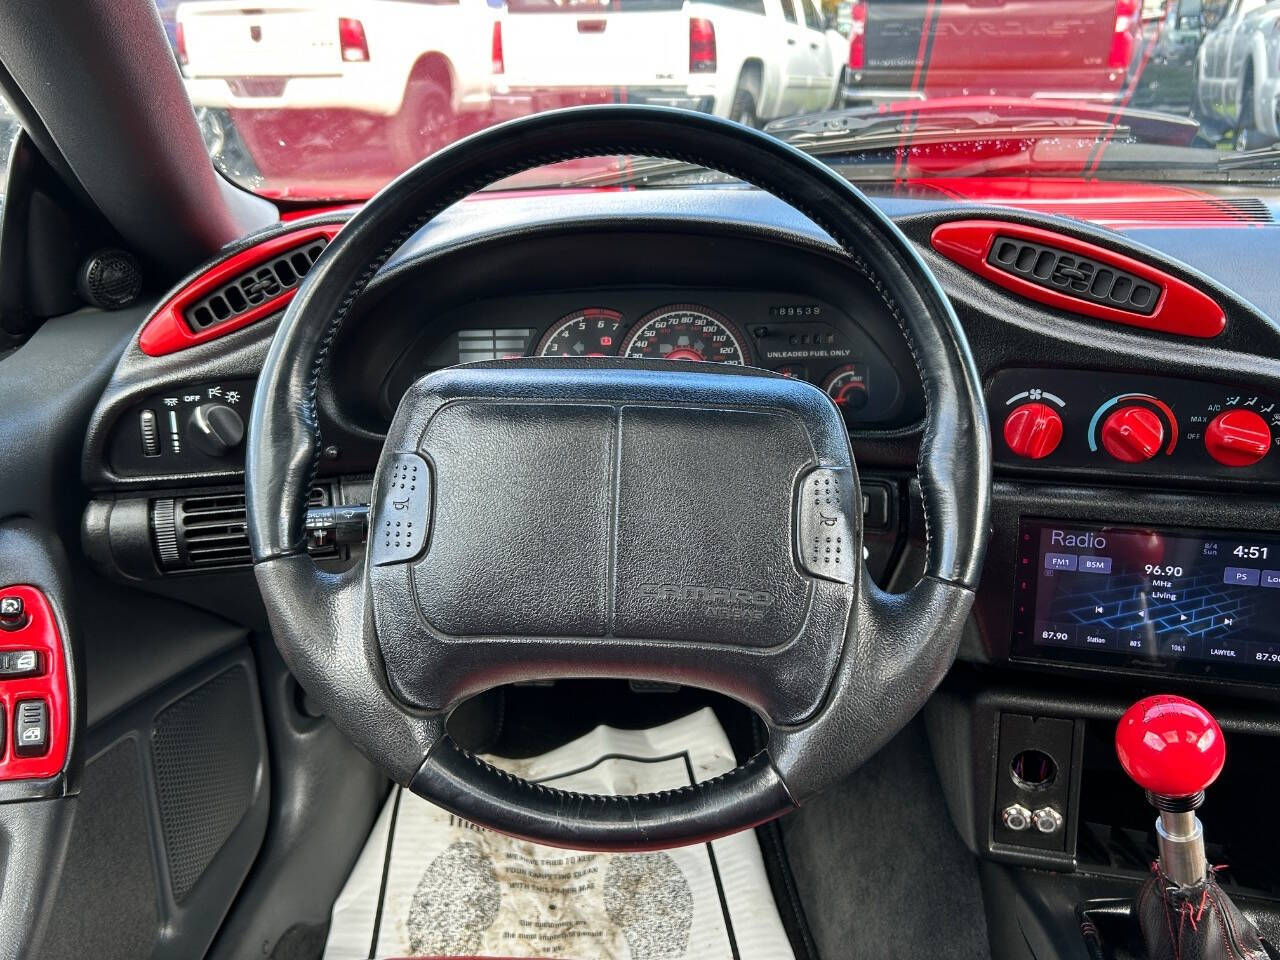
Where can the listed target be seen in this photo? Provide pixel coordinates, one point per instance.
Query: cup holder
(1033, 769)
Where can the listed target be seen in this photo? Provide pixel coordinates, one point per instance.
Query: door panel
(105, 885)
(175, 807)
(795, 74)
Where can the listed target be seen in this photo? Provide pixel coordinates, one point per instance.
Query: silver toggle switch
(1047, 820)
(1016, 817)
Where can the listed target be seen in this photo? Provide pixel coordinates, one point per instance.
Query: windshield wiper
(989, 113)
(858, 132)
(638, 170)
(895, 132)
(1252, 160)
(884, 133)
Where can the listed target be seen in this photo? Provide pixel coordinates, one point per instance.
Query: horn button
(614, 521)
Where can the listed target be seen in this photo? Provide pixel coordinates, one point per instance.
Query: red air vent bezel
(168, 332)
(1181, 310)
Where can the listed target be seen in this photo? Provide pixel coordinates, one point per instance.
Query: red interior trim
(1182, 309)
(50, 685)
(167, 331)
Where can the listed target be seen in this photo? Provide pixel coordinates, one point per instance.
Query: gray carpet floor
(881, 871)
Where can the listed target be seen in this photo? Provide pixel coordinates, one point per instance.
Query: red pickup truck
(1051, 49)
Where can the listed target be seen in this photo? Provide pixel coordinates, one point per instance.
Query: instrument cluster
(795, 336)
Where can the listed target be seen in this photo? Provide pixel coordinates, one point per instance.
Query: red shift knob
(1170, 745)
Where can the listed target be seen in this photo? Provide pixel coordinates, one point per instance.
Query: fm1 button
(826, 534)
(31, 728)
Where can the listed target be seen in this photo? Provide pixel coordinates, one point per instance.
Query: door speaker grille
(206, 755)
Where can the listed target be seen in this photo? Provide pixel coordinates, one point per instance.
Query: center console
(1094, 595)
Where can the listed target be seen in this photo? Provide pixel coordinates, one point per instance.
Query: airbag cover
(633, 520)
(626, 505)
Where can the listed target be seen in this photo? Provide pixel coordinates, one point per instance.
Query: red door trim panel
(1181, 309)
(40, 632)
(168, 332)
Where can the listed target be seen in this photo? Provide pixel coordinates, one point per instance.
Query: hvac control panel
(1089, 422)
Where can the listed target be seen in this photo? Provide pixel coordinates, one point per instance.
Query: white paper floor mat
(429, 884)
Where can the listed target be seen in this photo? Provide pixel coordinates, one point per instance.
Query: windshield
(317, 100)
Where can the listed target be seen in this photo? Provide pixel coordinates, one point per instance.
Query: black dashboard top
(733, 272)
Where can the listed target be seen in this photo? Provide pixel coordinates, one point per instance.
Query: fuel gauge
(847, 386)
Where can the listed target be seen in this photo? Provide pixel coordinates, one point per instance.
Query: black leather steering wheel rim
(902, 645)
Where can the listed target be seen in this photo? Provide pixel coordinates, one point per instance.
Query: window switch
(30, 728)
(19, 663)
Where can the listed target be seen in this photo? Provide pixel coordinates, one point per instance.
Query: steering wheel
(682, 522)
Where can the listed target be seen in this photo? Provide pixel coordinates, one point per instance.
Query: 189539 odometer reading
(685, 331)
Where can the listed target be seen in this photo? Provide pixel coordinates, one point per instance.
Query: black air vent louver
(207, 531)
(255, 286)
(1074, 276)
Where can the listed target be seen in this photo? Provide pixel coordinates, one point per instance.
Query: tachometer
(584, 333)
(686, 332)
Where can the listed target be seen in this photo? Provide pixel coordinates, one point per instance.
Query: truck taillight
(858, 35)
(497, 62)
(351, 40)
(702, 45)
(1123, 36)
(180, 42)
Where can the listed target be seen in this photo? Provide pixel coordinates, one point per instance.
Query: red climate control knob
(1133, 434)
(1170, 746)
(1237, 438)
(1033, 430)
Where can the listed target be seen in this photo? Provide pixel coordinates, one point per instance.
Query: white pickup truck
(751, 60)
(419, 62)
(1237, 73)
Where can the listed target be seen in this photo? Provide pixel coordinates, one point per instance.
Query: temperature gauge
(847, 386)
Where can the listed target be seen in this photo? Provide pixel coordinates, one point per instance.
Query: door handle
(791, 41)
(813, 46)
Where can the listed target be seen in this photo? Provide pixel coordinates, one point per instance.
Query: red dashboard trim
(1182, 309)
(39, 633)
(167, 331)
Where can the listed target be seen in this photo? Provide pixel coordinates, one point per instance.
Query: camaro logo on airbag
(687, 591)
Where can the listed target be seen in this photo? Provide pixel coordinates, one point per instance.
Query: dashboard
(1150, 439)
(1136, 445)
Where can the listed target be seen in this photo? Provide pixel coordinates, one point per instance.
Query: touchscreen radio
(1193, 600)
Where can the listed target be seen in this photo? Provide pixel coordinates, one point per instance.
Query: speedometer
(684, 331)
(584, 333)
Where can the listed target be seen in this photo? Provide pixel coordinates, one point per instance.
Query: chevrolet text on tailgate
(1047, 49)
(752, 60)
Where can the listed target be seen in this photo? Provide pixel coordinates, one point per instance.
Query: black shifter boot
(1198, 922)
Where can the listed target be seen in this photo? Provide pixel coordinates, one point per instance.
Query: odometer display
(584, 333)
(686, 332)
